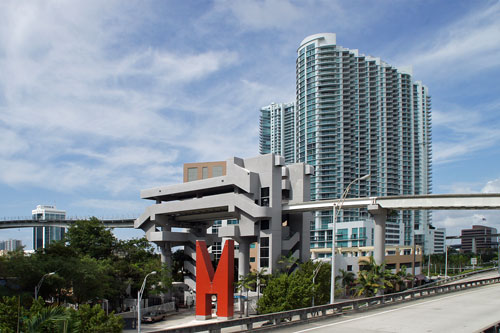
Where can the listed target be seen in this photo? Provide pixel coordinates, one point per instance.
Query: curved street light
(37, 288)
(139, 297)
(335, 213)
(316, 271)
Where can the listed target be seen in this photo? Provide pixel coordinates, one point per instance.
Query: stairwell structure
(253, 191)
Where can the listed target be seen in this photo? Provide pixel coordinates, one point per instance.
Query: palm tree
(246, 282)
(53, 318)
(260, 277)
(347, 279)
(286, 264)
(373, 278)
(401, 277)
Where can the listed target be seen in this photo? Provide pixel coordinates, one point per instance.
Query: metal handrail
(455, 277)
(495, 327)
(322, 311)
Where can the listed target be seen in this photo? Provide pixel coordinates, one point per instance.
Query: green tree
(261, 278)
(46, 319)
(178, 258)
(400, 279)
(90, 237)
(10, 313)
(94, 319)
(372, 278)
(63, 260)
(293, 291)
(245, 283)
(286, 264)
(347, 279)
(21, 273)
(275, 296)
(92, 279)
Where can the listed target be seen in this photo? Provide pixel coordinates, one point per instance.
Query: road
(485, 275)
(465, 311)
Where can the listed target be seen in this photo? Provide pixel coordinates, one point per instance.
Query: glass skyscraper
(355, 115)
(43, 236)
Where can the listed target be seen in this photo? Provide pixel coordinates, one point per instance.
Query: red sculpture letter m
(220, 283)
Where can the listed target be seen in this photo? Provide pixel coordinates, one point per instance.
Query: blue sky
(99, 99)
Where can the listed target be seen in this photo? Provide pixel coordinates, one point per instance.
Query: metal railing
(493, 328)
(131, 216)
(268, 321)
(455, 277)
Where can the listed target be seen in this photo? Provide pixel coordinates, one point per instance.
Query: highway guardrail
(279, 319)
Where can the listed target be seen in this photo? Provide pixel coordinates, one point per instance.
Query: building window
(216, 171)
(264, 252)
(349, 268)
(264, 224)
(204, 173)
(264, 262)
(264, 196)
(192, 174)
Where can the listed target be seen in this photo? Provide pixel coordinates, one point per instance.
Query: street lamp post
(316, 271)
(39, 285)
(498, 259)
(335, 212)
(445, 260)
(139, 297)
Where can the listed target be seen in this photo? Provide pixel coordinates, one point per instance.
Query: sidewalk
(185, 317)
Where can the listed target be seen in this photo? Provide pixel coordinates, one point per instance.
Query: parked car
(153, 317)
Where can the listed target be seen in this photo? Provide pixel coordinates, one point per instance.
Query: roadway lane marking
(388, 311)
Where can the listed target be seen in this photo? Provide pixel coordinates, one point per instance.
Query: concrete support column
(166, 250)
(166, 259)
(379, 216)
(243, 257)
(166, 254)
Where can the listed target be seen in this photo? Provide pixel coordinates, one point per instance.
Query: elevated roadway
(463, 311)
(29, 223)
(407, 202)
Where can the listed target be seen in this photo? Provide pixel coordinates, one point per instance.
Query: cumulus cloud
(468, 130)
(455, 221)
(78, 109)
(258, 15)
(113, 207)
(493, 186)
(468, 45)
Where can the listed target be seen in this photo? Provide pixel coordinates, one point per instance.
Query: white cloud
(460, 187)
(262, 14)
(493, 186)
(468, 45)
(455, 221)
(472, 130)
(112, 206)
(80, 107)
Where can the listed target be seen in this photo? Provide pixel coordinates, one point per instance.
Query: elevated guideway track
(29, 223)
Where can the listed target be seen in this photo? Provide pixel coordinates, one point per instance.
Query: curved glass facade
(357, 115)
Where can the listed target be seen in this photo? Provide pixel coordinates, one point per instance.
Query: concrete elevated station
(253, 191)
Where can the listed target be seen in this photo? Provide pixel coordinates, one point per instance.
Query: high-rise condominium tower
(355, 115)
(43, 236)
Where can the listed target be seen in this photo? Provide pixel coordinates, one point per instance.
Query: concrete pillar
(166, 250)
(166, 254)
(166, 259)
(380, 216)
(243, 257)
